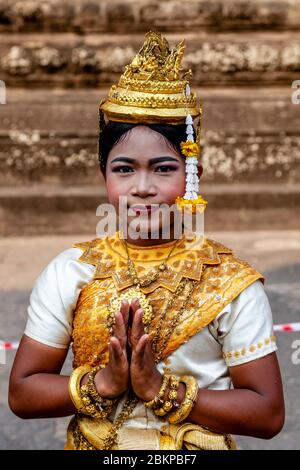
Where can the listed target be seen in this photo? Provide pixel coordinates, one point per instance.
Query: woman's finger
(125, 309)
(117, 351)
(111, 360)
(148, 353)
(135, 304)
(137, 330)
(141, 346)
(120, 329)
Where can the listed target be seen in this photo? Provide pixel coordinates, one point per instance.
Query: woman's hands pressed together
(146, 380)
(114, 379)
(131, 360)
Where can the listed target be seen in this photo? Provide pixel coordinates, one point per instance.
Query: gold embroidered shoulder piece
(225, 276)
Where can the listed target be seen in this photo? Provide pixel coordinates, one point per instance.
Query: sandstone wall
(58, 59)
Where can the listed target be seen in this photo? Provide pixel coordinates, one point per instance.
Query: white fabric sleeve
(245, 326)
(54, 297)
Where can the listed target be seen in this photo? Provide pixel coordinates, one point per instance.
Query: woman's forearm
(41, 396)
(240, 411)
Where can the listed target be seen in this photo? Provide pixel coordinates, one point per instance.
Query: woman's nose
(143, 186)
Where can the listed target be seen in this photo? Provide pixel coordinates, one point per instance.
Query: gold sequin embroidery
(223, 279)
(252, 348)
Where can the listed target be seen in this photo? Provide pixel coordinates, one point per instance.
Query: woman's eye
(122, 169)
(165, 168)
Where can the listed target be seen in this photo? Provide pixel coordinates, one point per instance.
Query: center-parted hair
(112, 132)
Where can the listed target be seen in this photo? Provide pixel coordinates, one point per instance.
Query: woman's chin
(152, 233)
(146, 230)
(148, 227)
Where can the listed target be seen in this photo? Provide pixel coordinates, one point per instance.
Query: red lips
(139, 208)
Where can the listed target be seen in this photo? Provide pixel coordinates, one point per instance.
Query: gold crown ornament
(154, 89)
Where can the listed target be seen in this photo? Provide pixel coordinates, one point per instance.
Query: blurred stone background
(58, 59)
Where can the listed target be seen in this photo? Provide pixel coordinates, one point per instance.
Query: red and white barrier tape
(287, 327)
(9, 345)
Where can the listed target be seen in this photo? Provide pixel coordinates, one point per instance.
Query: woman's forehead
(143, 140)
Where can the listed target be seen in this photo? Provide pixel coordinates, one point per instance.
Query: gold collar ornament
(154, 89)
(136, 292)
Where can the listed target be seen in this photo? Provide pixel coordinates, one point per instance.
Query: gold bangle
(171, 401)
(174, 385)
(166, 408)
(74, 385)
(80, 397)
(188, 402)
(158, 399)
(90, 389)
(95, 410)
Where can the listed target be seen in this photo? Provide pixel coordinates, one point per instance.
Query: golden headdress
(154, 89)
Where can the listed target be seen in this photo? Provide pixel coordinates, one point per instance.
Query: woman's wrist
(103, 387)
(153, 388)
(181, 393)
(84, 379)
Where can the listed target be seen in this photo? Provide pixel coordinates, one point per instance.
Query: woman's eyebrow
(162, 159)
(152, 161)
(123, 159)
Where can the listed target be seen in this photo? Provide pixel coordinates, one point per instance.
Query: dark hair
(112, 132)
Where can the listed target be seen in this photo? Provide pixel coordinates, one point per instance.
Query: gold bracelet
(158, 399)
(74, 385)
(166, 408)
(171, 401)
(91, 390)
(81, 400)
(174, 385)
(94, 409)
(188, 402)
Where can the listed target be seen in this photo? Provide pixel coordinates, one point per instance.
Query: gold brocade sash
(85, 433)
(220, 277)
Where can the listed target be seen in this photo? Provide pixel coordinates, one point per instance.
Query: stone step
(86, 16)
(45, 209)
(97, 60)
(225, 157)
(51, 136)
(269, 109)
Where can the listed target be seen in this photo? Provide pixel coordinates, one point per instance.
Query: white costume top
(244, 326)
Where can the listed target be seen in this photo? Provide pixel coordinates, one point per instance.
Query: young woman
(173, 343)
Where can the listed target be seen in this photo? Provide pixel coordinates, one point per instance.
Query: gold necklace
(132, 400)
(175, 319)
(151, 277)
(136, 292)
